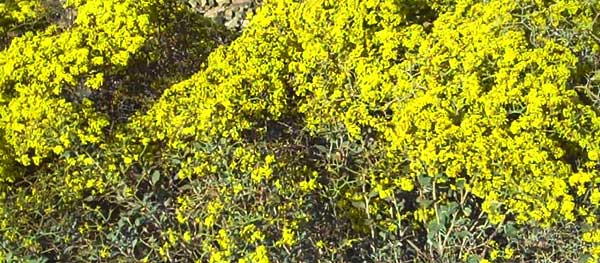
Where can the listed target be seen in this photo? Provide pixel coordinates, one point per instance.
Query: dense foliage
(333, 131)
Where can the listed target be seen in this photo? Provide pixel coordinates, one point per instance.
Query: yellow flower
(594, 155)
(508, 253)
(171, 237)
(58, 149)
(187, 236)
(25, 160)
(405, 184)
(494, 254)
(180, 217)
(237, 188)
(595, 197)
(88, 161)
(287, 237)
(320, 244)
(104, 252)
(307, 186)
(260, 255)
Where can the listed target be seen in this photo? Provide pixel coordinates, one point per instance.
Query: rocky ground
(231, 13)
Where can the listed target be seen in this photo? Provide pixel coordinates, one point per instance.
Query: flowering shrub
(64, 95)
(14, 14)
(337, 131)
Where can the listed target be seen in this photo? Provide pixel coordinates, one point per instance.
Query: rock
(236, 21)
(233, 24)
(214, 12)
(202, 3)
(229, 14)
(219, 20)
(245, 23)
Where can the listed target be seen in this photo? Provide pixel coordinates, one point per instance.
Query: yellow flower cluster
(468, 97)
(16, 13)
(324, 125)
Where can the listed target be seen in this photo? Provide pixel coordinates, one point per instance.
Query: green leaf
(584, 259)
(373, 193)
(359, 204)
(511, 231)
(425, 180)
(155, 177)
(467, 211)
(434, 227)
(473, 259)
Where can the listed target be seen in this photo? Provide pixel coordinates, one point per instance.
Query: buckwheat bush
(328, 131)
